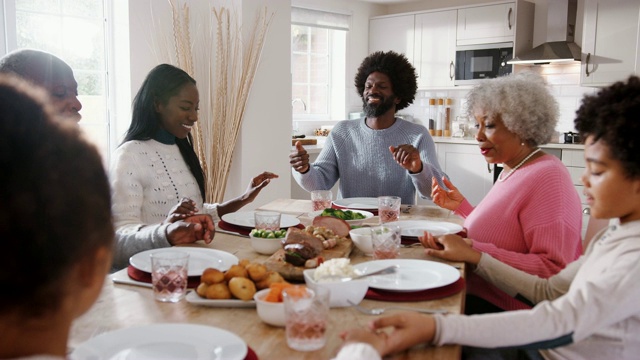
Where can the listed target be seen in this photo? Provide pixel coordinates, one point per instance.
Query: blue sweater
(359, 156)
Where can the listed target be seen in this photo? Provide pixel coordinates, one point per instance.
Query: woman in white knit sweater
(156, 168)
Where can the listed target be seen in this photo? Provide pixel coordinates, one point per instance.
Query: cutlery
(388, 270)
(378, 311)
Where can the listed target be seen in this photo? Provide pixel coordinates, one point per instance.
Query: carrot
(275, 292)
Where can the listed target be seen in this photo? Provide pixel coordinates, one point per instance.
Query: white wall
(266, 128)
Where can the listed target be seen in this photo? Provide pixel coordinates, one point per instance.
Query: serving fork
(378, 311)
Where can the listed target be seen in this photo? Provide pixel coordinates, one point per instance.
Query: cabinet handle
(586, 65)
(509, 17)
(586, 211)
(489, 168)
(452, 70)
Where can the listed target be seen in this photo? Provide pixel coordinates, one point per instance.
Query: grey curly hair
(522, 101)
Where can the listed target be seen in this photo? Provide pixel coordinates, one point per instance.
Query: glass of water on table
(388, 208)
(321, 199)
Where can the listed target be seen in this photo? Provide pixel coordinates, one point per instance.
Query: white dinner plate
(193, 298)
(199, 259)
(415, 228)
(412, 275)
(360, 203)
(245, 219)
(163, 341)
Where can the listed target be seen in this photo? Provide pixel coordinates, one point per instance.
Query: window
(73, 30)
(318, 61)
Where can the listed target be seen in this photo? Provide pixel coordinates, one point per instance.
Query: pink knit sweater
(531, 221)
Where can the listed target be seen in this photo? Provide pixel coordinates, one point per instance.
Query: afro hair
(612, 116)
(399, 70)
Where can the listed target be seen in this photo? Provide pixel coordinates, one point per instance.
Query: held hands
(299, 159)
(191, 229)
(447, 199)
(450, 247)
(257, 184)
(408, 157)
(394, 333)
(186, 207)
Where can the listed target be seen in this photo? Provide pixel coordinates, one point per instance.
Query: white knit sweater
(147, 179)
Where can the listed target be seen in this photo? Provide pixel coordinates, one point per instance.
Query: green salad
(343, 214)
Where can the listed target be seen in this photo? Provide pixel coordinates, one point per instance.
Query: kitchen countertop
(315, 149)
(452, 140)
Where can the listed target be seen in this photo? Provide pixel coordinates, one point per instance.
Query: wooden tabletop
(121, 306)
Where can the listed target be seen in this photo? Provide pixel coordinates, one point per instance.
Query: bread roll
(242, 288)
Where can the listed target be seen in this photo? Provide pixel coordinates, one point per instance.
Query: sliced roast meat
(338, 226)
(299, 236)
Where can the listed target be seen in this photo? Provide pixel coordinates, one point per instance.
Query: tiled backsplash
(563, 82)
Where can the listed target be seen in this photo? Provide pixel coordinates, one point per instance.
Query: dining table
(122, 306)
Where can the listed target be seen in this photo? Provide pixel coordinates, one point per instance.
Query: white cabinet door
(392, 33)
(467, 169)
(435, 48)
(486, 24)
(610, 41)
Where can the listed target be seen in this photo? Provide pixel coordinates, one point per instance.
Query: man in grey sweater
(379, 154)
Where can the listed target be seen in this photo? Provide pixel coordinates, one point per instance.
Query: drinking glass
(169, 275)
(306, 317)
(388, 208)
(386, 241)
(267, 220)
(321, 199)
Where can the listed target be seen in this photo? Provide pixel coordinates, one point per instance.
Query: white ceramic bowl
(340, 292)
(266, 246)
(362, 238)
(357, 222)
(271, 313)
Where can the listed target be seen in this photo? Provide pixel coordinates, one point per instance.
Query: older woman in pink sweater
(531, 218)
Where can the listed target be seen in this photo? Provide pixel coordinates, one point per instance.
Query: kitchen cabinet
(610, 41)
(486, 24)
(574, 161)
(392, 33)
(435, 50)
(497, 23)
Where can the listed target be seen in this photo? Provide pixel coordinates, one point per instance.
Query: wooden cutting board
(294, 273)
(304, 141)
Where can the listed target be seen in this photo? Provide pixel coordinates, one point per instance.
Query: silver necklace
(500, 178)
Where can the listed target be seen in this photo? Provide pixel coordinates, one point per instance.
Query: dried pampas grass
(224, 65)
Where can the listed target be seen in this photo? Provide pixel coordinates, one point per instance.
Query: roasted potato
(242, 288)
(218, 291)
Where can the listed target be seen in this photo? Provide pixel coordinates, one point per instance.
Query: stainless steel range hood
(560, 46)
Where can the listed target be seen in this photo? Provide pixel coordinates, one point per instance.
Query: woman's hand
(408, 157)
(257, 184)
(447, 199)
(450, 247)
(191, 229)
(185, 208)
(394, 333)
(299, 159)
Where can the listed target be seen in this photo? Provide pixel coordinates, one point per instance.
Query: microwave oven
(478, 62)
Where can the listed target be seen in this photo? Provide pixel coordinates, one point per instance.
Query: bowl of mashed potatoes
(329, 275)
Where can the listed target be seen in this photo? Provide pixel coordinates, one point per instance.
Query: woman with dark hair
(56, 226)
(156, 167)
(380, 154)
